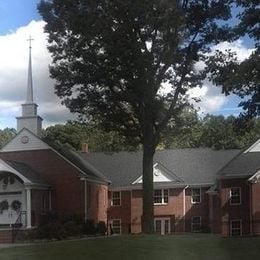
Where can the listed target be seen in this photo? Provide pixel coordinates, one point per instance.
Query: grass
(179, 247)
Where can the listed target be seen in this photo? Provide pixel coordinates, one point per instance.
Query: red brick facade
(70, 194)
(67, 189)
(231, 212)
(179, 210)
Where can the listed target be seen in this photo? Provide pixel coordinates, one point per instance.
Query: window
(115, 198)
(236, 227)
(195, 196)
(116, 226)
(235, 196)
(195, 224)
(160, 196)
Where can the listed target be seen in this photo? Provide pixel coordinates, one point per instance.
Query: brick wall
(40, 205)
(255, 191)
(122, 212)
(130, 210)
(197, 209)
(67, 189)
(234, 212)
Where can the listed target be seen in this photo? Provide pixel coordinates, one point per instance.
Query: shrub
(52, 230)
(89, 227)
(59, 226)
(72, 228)
(101, 228)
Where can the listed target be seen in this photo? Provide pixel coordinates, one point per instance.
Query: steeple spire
(29, 98)
(30, 119)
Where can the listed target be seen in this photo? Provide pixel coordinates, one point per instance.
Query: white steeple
(30, 82)
(29, 118)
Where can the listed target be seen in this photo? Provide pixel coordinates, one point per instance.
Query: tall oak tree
(128, 64)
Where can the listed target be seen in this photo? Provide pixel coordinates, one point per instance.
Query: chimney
(84, 148)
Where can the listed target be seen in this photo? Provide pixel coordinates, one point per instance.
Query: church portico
(16, 184)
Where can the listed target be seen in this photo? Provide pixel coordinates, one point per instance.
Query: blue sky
(19, 19)
(16, 13)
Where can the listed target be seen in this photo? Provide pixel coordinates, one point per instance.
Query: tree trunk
(148, 205)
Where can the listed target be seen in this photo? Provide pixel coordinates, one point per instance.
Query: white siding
(16, 144)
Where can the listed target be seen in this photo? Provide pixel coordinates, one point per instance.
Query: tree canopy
(216, 132)
(128, 64)
(74, 134)
(6, 135)
(241, 77)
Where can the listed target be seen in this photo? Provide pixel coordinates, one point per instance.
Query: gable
(160, 174)
(254, 148)
(25, 140)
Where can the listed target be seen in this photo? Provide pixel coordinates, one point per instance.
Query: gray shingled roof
(243, 165)
(193, 166)
(88, 169)
(27, 172)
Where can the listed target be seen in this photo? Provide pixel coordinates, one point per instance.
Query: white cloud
(13, 76)
(212, 100)
(237, 46)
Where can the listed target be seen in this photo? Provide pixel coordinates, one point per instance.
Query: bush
(101, 228)
(59, 226)
(53, 217)
(52, 230)
(72, 228)
(89, 227)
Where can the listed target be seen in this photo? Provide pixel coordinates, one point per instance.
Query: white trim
(240, 226)
(120, 225)
(230, 196)
(28, 208)
(162, 195)
(48, 147)
(255, 177)
(6, 167)
(191, 197)
(112, 205)
(252, 146)
(163, 176)
(184, 208)
(192, 224)
(162, 220)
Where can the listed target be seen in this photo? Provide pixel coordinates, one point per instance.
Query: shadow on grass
(178, 247)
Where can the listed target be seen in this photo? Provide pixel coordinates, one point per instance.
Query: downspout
(184, 208)
(50, 202)
(85, 200)
(251, 208)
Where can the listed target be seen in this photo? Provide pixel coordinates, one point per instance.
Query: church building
(195, 190)
(36, 178)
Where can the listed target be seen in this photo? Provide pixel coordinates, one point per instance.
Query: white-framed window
(196, 223)
(236, 227)
(235, 196)
(195, 195)
(161, 196)
(116, 226)
(115, 198)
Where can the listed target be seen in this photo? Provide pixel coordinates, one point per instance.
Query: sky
(20, 19)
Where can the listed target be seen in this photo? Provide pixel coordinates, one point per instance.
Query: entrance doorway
(162, 226)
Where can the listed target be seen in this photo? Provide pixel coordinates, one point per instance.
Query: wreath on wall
(3, 205)
(16, 205)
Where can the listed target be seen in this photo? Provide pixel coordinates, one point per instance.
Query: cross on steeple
(30, 41)
(30, 119)
(29, 98)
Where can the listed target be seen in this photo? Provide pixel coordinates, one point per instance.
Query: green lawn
(176, 247)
